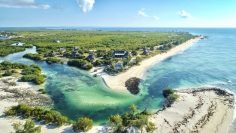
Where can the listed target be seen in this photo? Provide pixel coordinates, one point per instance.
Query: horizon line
(103, 27)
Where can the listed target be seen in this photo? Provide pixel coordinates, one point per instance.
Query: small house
(90, 57)
(74, 54)
(63, 50)
(18, 44)
(120, 54)
(57, 41)
(119, 66)
(146, 51)
(158, 47)
(53, 53)
(75, 48)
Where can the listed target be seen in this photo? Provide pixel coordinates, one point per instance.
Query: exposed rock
(133, 85)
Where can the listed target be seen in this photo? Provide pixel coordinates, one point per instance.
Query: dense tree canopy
(102, 40)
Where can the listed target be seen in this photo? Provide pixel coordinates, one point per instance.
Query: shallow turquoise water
(210, 62)
(76, 93)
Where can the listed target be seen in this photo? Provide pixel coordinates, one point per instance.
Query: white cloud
(184, 14)
(22, 4)
(86, 5)
(155, 17)
(142, 13)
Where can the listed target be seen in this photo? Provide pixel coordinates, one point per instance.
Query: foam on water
(208, 63)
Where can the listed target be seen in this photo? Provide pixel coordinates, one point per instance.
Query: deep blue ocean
(209, 62)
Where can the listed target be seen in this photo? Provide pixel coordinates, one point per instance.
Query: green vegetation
(170, 96)
(42, 91)
(6, 50)
(133, 118)
(118, 123)
(7, 73)
(99, 40)
(83, 124)
(33, 74)
(38, 113)
(40, 57)
(28, 127)
(30, 73)
(37, 79)
(54, 46)
(5, 65)
(167, 92)
(6, 47)
(36, 57)
(51, 60)
(83, 64)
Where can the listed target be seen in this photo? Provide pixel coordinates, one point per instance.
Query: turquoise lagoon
(209, 62)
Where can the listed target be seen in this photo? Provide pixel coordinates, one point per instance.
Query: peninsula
(117, 82)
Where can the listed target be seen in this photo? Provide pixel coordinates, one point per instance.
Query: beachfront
(117, 83)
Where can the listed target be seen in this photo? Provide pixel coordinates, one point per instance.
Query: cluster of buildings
(120, 54)
(125, 54)
(73, 53)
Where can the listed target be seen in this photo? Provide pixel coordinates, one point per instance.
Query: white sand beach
(13, 93)
(203, 111)
(117, 83)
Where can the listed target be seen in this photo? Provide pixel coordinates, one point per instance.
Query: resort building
(119, 66)
(62, 50)
(75, 48)
(53, 53)
(120, 54)
(74, 54)
(18, 44)
(146, 51)
(90, 57)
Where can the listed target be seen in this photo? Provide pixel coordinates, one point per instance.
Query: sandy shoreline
(13, 93)
(117, 83)
(207, 110)
(202, 110)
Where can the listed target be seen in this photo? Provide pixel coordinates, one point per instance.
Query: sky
(118, 13)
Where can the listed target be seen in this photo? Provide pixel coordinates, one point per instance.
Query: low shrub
(80, 63)
(36, 57)
(83, 124)
(52, 60)
(38, 113)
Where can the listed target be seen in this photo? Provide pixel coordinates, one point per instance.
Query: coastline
(13, 93)
(117, 82)
(197, 110)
